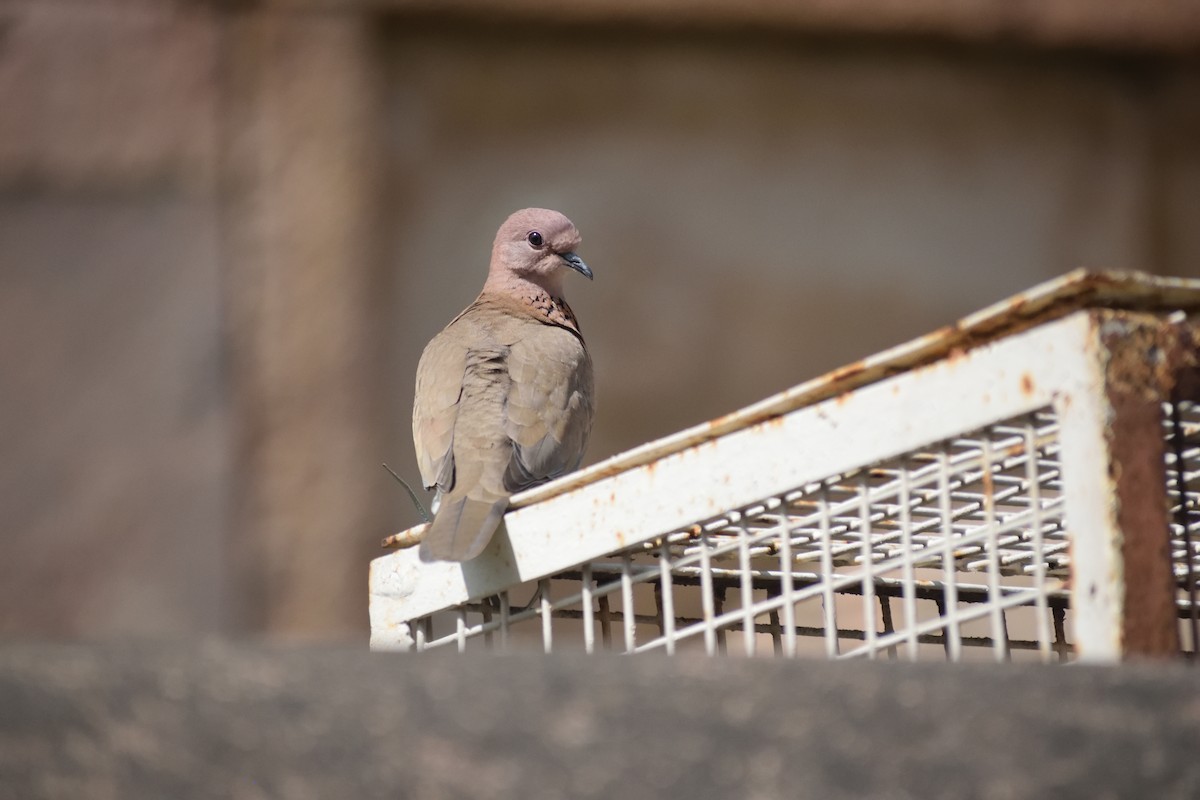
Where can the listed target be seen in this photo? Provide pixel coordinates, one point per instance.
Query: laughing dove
(504, 392)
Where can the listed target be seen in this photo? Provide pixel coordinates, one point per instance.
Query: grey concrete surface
(244, 722)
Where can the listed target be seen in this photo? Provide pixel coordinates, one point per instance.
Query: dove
(504, 396)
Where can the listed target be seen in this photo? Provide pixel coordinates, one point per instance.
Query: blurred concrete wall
(112, 402)
(227, 231)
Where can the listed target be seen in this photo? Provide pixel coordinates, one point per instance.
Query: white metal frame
(648, 501)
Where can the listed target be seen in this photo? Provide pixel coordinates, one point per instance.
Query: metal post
(1114, 481)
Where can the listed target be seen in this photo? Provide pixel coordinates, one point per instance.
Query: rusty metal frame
(1114, 470)
(1105, 374)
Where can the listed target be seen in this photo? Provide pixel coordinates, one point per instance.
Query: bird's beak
(576, 263)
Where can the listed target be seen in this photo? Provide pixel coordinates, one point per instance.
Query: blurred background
(227, 229)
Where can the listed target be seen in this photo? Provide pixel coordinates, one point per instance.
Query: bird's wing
(550, 405)
(436, 406)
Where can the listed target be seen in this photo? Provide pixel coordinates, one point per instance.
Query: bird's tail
(461, 528)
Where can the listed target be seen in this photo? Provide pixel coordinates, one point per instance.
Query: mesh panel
(1183, 485)
(955, 551)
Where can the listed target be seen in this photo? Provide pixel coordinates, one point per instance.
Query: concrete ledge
(241, 722)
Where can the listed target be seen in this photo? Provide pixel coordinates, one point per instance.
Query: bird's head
(537, 245)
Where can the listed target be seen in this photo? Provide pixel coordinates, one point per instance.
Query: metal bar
(910, 600)
(786, 567)
(747, 585)
(666, 599)
(829, 609)
(547, 626)
(585, 602)
(628, 623)
(707, 601)
(949, 566)
(993, 557)
(868, 586)
(1039, 562)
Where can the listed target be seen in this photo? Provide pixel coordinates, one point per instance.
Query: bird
(504, 393)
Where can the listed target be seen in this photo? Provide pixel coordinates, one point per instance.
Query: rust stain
(1026, 383)
(1184, 355)
(406, 538)
(848, 371)
(1137, 379)
(1137, 355)
(716, 424)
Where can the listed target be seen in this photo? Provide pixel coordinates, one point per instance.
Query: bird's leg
(412, 536)
(413, 496)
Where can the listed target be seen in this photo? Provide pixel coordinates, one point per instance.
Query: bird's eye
(536, 240)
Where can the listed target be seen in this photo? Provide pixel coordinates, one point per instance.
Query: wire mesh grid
(951, 550)
(1183, 488)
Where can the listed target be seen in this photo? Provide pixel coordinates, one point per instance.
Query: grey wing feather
(549, 409)
(435, 408)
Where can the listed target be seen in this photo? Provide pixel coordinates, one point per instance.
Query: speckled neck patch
(554, 309)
